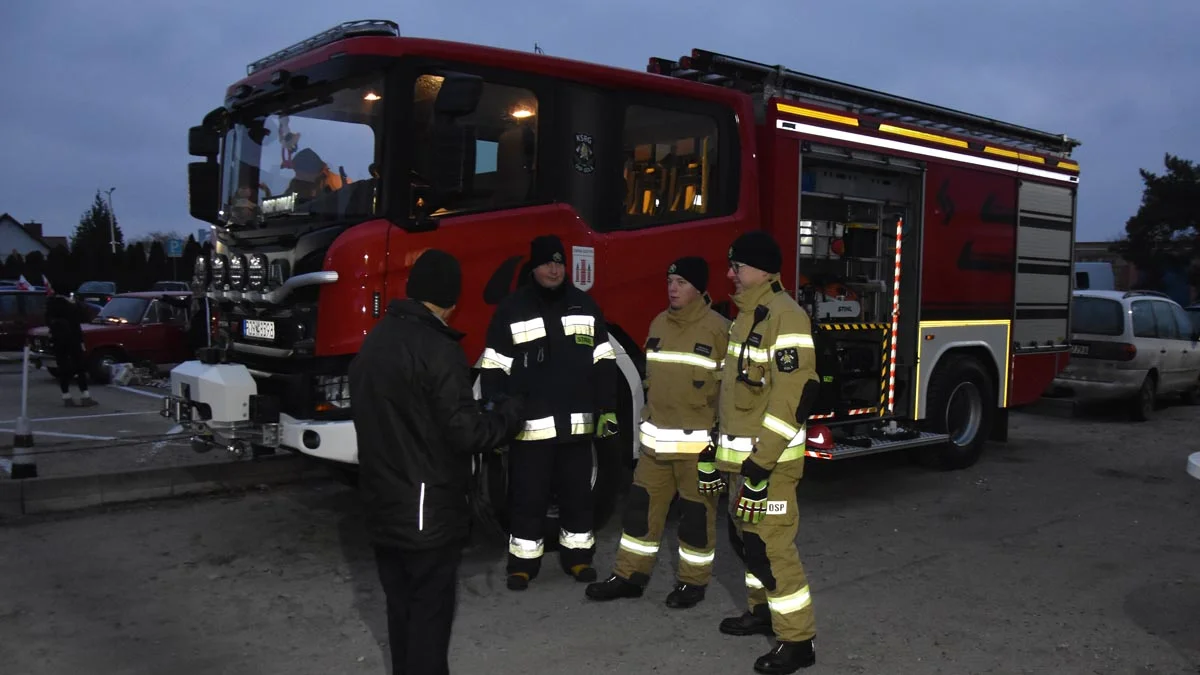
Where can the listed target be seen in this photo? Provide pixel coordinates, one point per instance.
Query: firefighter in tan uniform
(683, 355)
(768, 386)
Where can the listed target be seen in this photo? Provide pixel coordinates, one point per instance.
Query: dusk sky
(101, 94)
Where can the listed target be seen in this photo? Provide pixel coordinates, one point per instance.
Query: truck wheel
(962, 404)
(345, 474)
(490, 498)
(611, 474)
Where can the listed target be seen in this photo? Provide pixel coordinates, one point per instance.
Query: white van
(1094, 276)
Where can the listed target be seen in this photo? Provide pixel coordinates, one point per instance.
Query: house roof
(34, 230)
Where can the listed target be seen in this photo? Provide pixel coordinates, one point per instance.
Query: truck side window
(1143, 320)
(670, 160)
(506, 131)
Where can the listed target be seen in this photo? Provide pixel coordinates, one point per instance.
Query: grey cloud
(101, 94)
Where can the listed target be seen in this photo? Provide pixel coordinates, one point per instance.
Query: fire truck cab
(933, 248)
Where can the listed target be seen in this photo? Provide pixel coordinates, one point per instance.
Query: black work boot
(787, 657)
(757, 622)
(518, 581)
(613, 588)
(685, 595)
(584, 574)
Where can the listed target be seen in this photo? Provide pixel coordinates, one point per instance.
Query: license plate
(1080, 350)
(259, 330)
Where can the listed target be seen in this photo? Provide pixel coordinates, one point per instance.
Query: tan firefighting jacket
(683, 368)
(764, 376)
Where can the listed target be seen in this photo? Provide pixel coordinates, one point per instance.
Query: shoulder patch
(787, 359)
(702, 349)
(652, 344)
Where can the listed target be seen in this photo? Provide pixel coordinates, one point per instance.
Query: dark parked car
(177, 286)
(20, 310)
(24, 310)
(99, 292)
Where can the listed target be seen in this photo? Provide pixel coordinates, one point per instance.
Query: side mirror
(203, 142)
(459, 95)
(204, 190)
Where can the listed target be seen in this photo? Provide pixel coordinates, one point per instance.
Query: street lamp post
(112, 222)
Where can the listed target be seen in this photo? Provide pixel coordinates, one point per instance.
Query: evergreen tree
(90, 245)
(1164, 234)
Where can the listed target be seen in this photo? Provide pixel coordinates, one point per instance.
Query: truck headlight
(332, 392)
(256, 271)
(237, 272)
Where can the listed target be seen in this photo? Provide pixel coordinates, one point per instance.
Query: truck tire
(490, 494)
(962, 404)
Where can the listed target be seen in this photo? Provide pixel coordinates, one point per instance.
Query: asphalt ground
(1073, 548)
(123, 432)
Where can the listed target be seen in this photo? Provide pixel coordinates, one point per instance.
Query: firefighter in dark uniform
(683, 355)
(548, 342)
(768, 386)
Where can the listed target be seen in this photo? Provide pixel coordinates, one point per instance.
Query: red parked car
(147, 327)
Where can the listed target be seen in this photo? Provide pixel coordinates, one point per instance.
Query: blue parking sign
(174, 248)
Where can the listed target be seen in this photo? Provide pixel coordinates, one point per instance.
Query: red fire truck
(933, 248)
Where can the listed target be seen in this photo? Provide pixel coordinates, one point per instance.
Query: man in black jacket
(548, 342)
(63, 319)
(417, 424)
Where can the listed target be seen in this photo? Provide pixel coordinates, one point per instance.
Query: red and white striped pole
(895, 320)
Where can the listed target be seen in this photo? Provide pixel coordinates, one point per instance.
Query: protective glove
(607, 426)
(512, 409)
(752, 501)
(711, 481)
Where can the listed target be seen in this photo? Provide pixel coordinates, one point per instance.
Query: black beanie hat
(757, 249)
(692, 268)
(546, 248)
(435, 278)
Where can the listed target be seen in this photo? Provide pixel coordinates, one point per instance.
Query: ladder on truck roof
(769, 81)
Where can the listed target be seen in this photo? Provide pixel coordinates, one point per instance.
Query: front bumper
(220, 405)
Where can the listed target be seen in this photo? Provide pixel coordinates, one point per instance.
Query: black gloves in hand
(512, 408)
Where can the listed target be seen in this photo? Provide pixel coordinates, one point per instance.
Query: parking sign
(174, 248)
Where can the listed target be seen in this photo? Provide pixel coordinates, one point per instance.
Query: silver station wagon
(1136, 346)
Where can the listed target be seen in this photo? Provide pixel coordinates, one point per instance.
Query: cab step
(858, 446)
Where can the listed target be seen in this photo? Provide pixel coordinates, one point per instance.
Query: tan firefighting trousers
(655, 483)
(774, 574)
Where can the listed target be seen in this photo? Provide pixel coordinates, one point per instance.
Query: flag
(23, 284)
(46, 283)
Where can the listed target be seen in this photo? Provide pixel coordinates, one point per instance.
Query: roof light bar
(342, 31)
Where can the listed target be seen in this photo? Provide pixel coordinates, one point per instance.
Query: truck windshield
(312, 157)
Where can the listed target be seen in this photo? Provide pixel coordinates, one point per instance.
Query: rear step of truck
(858, 446)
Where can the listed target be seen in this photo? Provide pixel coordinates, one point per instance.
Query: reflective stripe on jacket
(551, 346)
(763, 378)
(684, 350)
